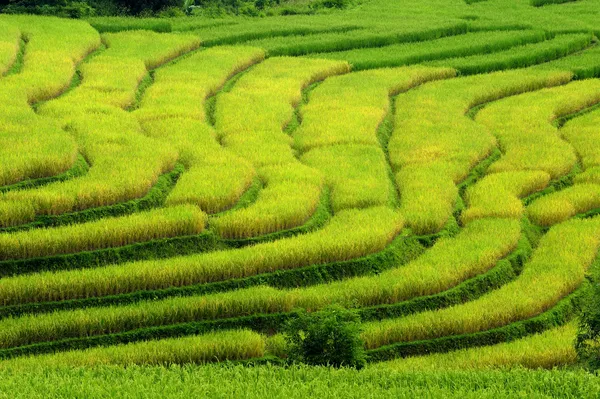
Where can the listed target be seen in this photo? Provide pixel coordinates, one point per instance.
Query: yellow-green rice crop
(153, 48)
(109, 232)
(32, 146)
(475, 250)
(36, 147)
(210, 347)
(214, 178)
(349, 234)
(434, 144)
(10, 41)
(560, 206)
(583, 134)
(112, 77)
(181, 88)
(290, 196)
(557, 268)
(357, 174)
(173, 110)
(348, 109)
(53, 48)
(499, 194)
(447, 264)
(251, 117)
(124, 165)
(548, 349)
(527, 138)
(519, 56)
(445, 47)
(481, 245)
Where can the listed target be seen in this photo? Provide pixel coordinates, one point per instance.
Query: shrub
(340, 4)
(328, 337)
(138, 7)
(588, 334)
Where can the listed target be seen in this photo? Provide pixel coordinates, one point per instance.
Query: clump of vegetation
(328, 337)
(588, 334)
(164, 8)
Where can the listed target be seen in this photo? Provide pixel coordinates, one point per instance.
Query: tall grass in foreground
(296, 382)
(557, 268)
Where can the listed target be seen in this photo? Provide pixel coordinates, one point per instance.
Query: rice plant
(200, 349)
(434, 144)
(557, 267)
(349, 234)
(547, 350)
(109, 232)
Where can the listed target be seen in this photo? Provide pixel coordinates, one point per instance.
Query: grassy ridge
(211, 347)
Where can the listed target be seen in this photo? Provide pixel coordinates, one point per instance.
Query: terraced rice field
(174, 197)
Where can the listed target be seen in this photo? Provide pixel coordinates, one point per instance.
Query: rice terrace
(177, 192)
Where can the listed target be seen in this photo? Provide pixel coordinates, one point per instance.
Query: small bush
(65, 9)
(339, 4)
(172, 12)
(328, 337)
(587, 343)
